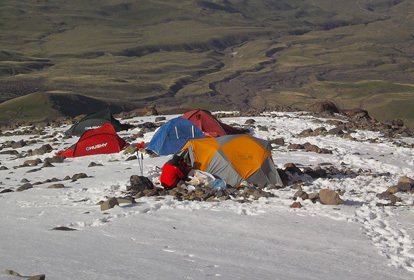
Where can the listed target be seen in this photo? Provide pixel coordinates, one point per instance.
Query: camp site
(270, 195)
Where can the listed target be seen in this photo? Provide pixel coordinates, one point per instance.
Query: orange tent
(234, 158)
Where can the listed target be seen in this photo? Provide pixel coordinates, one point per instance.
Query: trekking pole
(139, 161)
(142, 164)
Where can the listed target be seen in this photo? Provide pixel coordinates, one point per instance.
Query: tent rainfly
(234, 158)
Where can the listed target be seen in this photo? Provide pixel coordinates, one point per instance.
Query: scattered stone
(262, 128)
(92, 164)
(79, 176)
(336, 131)
(306, 132)
(43, 150)
(296, 204)
(67, 177)
(33, 170)
(56, 186)
(9, 152)
(18, 144)
(63, 228)
(329, 197)
(24, 187)
(313, 196)
(249, 122)
(405, 180)
(296, 147)
(47, 164)
(126, 200)
(160, 119)
(6, 191)
(3, 168)
(278, 141)
(324, 107)
(292, 168)
(55, 159)
(388, 196)
(32, 162)
(108, 204)
(139, 184)
(392, 189)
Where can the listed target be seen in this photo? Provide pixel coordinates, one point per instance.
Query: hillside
(221, 54)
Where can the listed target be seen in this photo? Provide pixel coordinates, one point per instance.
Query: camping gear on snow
(102, 140)
(234, 158)
(171, 137)
(209, 124)
(173, 171)
(96, 120)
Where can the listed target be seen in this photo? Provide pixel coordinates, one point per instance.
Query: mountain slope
(239, 54)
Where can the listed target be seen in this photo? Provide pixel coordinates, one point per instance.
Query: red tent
(210, 126)
(102, 140)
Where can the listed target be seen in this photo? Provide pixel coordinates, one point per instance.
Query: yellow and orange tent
(234, 158)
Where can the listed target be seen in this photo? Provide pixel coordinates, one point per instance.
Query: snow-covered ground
(162, 238)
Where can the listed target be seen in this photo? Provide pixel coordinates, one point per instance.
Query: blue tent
(171, 137)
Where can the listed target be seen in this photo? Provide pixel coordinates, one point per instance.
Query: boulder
(249, 122)
(24, 187)
(329, 197)
(32, 162)
(79, 176)
(160, 119)
(43, 150)
(56, 186)
(108, 204)
(278, 141)
(324, 107)
(296, 205)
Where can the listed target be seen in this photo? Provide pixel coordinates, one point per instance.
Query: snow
(162, 238)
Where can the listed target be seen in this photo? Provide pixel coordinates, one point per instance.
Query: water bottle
(218, 184)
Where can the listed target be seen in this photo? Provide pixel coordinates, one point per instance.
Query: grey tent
(96, 120)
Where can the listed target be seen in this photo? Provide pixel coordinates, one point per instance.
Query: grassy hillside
(182, 54)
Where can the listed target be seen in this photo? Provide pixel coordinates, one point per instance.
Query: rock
(313, 196)
(324, 107)
(336, 131)
(405, 179)
(43, 150)
(79, 176)
(92, 164)
(278, 141)
(306, 132)
(32, 162)
(296, 205)
(139, 184)
(63, 228)
(67, 177)
(296, 147)
(392, 189)
(249, 122)
(388, 196)
(24, 180)
(356, 113)
(18, 144)
(56, 186)
(108, 204)
(6, 191)
(291, 167)
(160, 119)
(263, 128)
(24, 187)
(311, 148)
(47, 164)
(9, 152)
(319, 130)
(55, 159)
(3, 168)
(126, 200)
(329, 197)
